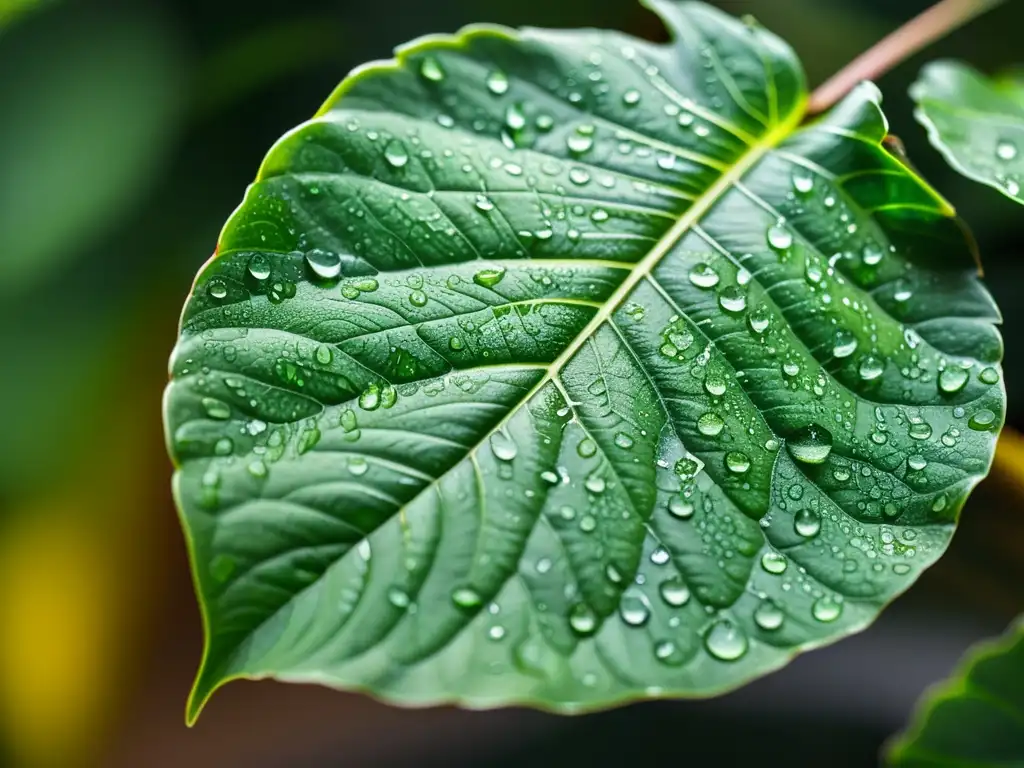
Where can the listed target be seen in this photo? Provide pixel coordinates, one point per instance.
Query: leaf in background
(561, 368)
(83, 133)
(975, 122)
(975, 718)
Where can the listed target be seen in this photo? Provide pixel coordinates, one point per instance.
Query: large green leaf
(976, 718)
(976, 123)
(561, 368)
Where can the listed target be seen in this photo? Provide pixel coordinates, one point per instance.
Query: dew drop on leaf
(725, 640)
(811, 444)
(807, 523)
(703, 275)
(768, 615)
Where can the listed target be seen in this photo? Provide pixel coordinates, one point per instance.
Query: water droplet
(514, 117)
(358, 466)
(503, 447)
(660, 556)
(631, 97)
(715, 385)
(633, 610)
(674, 592)
(710, 424)
(430, 69)
(497, 82)
(872, 254)
(845, 344)
(680, 507)
(779, 237)
(732, 299)
(483, 203)
(917, 463)
(578, 176)
(871, 367)
(489, 277)
(578, 143)
(768, 615)
(703, 275)
(395, 154)
(324, 264)
(582, 619)
(217, 288)
(826, 609)
(989, 376)
(465, 597)
(737, 462)
(418, 298)
(594, 483)
(725, 640)
(811, 444)
(803, 181)
(259, 267)
(807, 523)
(586, 448)
(623, 440)
(398, 597)
(982, 421)
(369, 400)
(790, 368)
(759, 319)
(952, 379)
(1006, 150)
(774, 562)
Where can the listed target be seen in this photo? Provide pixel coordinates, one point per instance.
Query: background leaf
(977, 123)
(559, 368)
(975, 718)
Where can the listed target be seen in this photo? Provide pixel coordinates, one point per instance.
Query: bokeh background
(128, 132)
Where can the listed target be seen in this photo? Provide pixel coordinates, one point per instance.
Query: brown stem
(935, 23)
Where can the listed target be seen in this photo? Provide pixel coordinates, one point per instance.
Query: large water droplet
(703, 275)
(768, 616)
(503, 447)
(779, 237)
(759, 319)
(633, 610)
(259, 266)
(710, 424)
(430, 69)
(324, 264)
(725, 640)
(396, 154)
(811, 444)
(736, 462)
(680, 507)
(871, 367)
(826, 609)
(774, 562)
(845, 344)
(952, 379)
(807, 523)
(732, 299)
(982, 421)
(1006, 150)
(582, 619)
(497, 82)
(217, 288)
(489, 277)
(674, 592)
(803, 181)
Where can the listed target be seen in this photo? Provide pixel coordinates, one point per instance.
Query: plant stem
(933, 24)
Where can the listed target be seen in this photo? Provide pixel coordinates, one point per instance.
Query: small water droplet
(324, 264)
(917, 463)
(680, 507)
(503, 447)
(715, 385)
(803, 181)
(623, 440)
(595, 483)
(759, 319)
(1006, 150)
(217, 288)
(398, 597)
(982, 421)
(358, 466)
(633, 610)
(989, 376)
(845, 344)
(586, 448)
(259, 266)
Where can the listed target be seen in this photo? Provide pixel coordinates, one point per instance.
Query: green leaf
(562, 368)
(975, 122)
(976, 718)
